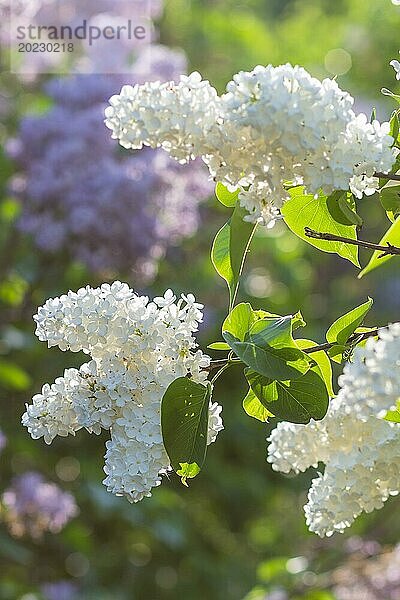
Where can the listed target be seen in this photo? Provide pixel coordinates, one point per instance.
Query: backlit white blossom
(360, 450)
(176, 117)
(273, 125)
(395, 63)
(137, 348)
(370, 383)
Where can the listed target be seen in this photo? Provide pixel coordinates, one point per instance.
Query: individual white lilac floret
(137, 348)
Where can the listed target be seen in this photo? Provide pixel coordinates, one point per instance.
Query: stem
(219, 373)
(390, 176)
(246, 251)
(216, 364)
(388, 250)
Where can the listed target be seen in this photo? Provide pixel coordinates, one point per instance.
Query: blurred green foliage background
(234, 532)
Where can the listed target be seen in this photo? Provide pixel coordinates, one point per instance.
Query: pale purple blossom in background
(32, 505)
(60, 590)
(82, 196)
(370, 573)
(100, 57)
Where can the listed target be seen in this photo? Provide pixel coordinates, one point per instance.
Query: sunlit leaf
(265, 345)
(322, 360)
(254, 408)
(321, 214)
(345, 326)
(296, 401)
(226, 197)
(392, 236)
(229, 249)
(218, 346)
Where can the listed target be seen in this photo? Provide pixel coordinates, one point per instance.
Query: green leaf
(393, 415)
(346, 204)
(319, 213)
(265, 345)
(240, 320)
(298, 321)
(395, 127)
(345, 326)
(296, 401)
(362, 330)
(254, 408)
(219, 346)
(390, 198)
(323, 362)
(229, 247)
(336, 353)
(241, 232)
(226, 197)
(184, 424)
(188, 471)
(220, 255)
(392, 236)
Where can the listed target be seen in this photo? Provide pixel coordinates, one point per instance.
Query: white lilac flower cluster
(138, 348)
(360, 450)
(273, 125)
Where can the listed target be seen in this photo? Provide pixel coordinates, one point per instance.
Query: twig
(355, 338)
(218, 364)
(390, 176)
(388, 250)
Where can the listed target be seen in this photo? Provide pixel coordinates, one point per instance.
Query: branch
(388, 250)
(356, 338)
(390, 176)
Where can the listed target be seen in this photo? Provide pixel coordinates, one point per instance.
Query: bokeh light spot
(77, 565)
(68, 468)
(338, 61)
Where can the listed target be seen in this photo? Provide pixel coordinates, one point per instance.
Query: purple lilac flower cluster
(33, 506)
(60, 590)
(84, 197)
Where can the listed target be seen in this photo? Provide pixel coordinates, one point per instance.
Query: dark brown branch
(355, 338)
(390, 176)
(388, 250)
